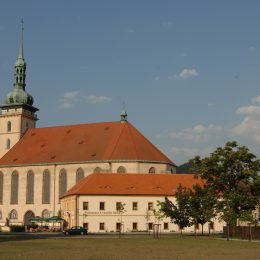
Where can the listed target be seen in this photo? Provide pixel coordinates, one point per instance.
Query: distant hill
(184, 168)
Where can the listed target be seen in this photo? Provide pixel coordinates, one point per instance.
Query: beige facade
(38, 207)
(100, 214)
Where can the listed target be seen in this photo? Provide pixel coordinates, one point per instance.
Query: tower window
(9, 126)
(8, 144)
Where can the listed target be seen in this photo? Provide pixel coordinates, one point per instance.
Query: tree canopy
(231, 172)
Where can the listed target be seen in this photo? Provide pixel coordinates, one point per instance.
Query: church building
(77, 171)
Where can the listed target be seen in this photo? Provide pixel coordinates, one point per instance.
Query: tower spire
(20, 65)
(20, 56)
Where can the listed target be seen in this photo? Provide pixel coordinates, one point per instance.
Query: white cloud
(187, 73)
(97, 99)
(248, 110)
(196, 134)
(183, 54)
(131, 30)
(256, 99)
(71, 95)
(249, 128)
(69, 99)
(157, 78)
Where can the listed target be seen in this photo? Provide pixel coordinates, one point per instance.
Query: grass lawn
(133, 248)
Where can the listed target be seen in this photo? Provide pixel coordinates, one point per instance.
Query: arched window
(45, 213)
(8, 144)
(121, 169)
(152, 170)
(14, 187)
(30, 188)
(97, 170)
(9, 126)
(46, 184)
(79, 174)
(13, 214)
(62, 182)
(1, 187)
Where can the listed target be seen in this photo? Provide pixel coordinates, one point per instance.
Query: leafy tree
(231, 173)
(202, 205)
(178, 211)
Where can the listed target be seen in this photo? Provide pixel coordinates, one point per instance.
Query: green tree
(230, 172)
(178, 211)
(202, 205)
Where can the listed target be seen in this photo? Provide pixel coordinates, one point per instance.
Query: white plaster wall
(93, 216)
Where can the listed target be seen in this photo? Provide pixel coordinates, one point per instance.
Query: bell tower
(18, 112)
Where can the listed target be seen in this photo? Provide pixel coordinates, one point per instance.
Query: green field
(127, 248)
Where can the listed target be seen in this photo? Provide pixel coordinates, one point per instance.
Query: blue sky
(188, 71)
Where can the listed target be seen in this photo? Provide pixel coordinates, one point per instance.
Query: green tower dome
(18, 97)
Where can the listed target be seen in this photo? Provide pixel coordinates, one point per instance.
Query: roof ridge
(133, 141)
(158, 150)
(117, 141)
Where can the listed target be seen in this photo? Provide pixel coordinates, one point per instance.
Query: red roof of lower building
(132, 184)
(112, 141)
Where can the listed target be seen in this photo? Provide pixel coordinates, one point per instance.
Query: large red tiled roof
(132, 184)
(86, 142)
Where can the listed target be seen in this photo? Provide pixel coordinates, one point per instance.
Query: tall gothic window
(14, 187)
(9, 126)
(121, 169)
(79, 174)
(13, 214)
(46, 183)
(45, 213)
(30, 187)
(62, 182)
(1, 187)
(8, 144)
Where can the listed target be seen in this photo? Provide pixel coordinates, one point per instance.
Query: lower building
(126, 202)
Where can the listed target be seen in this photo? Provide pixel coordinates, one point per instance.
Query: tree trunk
(202, 226)
(228, 232)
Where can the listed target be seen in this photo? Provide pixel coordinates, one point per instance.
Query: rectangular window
(150, 226)
(85, 225)
(150, 205)
(118, 206)
(101, 205)
(102, 226)
(134, 225)
(165, 225)
(135, 206)
(85, 205)
(118, 226)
